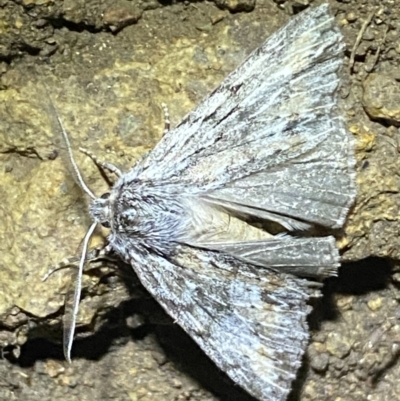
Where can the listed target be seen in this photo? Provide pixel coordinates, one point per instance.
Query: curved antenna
(71, 311)
(74, 169)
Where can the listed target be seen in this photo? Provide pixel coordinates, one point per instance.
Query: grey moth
(220, 220)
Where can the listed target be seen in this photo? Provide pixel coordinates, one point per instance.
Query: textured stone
(381, 98)
(338, 345)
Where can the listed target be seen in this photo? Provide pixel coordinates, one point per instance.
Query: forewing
(250, 321)
(270, 137)
(256, 101)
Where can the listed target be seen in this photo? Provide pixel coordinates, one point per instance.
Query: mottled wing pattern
(269, 137)
(250, 321)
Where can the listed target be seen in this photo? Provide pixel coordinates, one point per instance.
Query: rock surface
(108, 67)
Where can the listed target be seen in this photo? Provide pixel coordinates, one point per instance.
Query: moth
(220, 220)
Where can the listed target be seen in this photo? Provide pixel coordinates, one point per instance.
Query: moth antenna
(70, 316)
(74, 170)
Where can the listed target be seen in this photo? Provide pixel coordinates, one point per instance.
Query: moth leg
(105, 165)
(94, 255)
(64, 264)
(167, 122)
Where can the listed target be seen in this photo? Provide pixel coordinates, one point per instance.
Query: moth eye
(105, 195)
(105, 224)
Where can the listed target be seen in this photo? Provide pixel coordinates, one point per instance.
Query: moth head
(100, 210)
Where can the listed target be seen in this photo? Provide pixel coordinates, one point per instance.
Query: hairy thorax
(162, 216)
(151, 215)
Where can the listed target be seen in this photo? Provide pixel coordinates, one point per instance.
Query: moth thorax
(100, 210)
